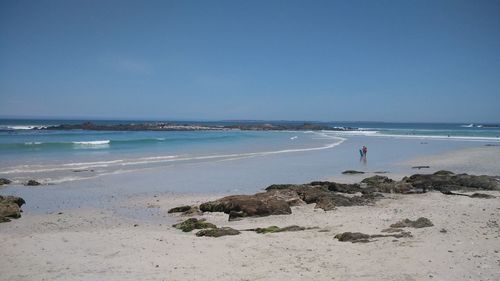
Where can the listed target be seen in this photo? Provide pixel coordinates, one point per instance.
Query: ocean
(93, 168)
(26, 152)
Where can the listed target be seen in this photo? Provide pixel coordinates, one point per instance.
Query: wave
(162, 159)
(21, 127)
(416, 136)
(97, 142)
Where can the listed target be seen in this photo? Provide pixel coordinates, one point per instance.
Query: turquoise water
(88, 168)
(55, 157)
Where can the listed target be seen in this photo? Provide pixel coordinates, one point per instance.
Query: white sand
(89, 244)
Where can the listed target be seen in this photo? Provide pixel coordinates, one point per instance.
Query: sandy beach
(96, 244)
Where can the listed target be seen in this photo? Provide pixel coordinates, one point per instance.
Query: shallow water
(247, 169)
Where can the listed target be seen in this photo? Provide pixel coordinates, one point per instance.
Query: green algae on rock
(193, 223)
(217, 232)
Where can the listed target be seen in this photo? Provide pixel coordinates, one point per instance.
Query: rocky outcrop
(10, 207)
(239, 206)
(32, 183)
(327, 195)
(447, 181)
(5, 181)
(279, 198)
(217, 232)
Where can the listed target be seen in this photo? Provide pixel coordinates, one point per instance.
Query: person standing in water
(364, 150)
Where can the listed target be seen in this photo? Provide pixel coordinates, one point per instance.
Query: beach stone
(193, 223)
(10, 207)
(273, 229)
(481, 195)
(13, 199)
(180, 209)
(391, 230)
(419, 223)
(10, 210)
(32, 183)
(217, 232)
(358, 237)
(239, 206)
(352, 172)
(5, 181)
(354, 237)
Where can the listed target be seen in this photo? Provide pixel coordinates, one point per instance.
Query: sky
(395, 61)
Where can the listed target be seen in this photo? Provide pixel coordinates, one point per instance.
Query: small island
(172, 126)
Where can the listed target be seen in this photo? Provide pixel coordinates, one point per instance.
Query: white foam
(90, 143)
(23, 127)
(33, 143)
(434, 137)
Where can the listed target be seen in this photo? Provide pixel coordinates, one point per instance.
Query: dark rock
(339, 187)
(10, 207)
(238, 206)
(443, 181)
(281, 186)
(5, 181)
(420, 167)
(217, 232)
(193, 223)
(443, 173)
(4, 219)
(419, 223)
(330, 201)
(376, 181)
(403, 234)
(272, 229)
(358, 237)
(180, 209)
(14, 199)
(352, 172)
(392, 230)
(354, 237)
(32, 183)
(481, 195)
(386, 185)
(193, 211)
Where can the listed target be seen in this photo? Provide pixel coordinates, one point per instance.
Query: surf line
(166, 159)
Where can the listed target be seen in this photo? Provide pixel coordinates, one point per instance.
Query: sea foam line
(378, 134)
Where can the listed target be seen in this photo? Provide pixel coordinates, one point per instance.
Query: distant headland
(171, 126)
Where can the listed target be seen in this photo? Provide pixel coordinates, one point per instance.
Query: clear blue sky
(297, 60)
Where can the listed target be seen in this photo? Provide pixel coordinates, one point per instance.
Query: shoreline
(133, 238)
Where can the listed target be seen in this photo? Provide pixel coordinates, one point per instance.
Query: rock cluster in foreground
(278, 198)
